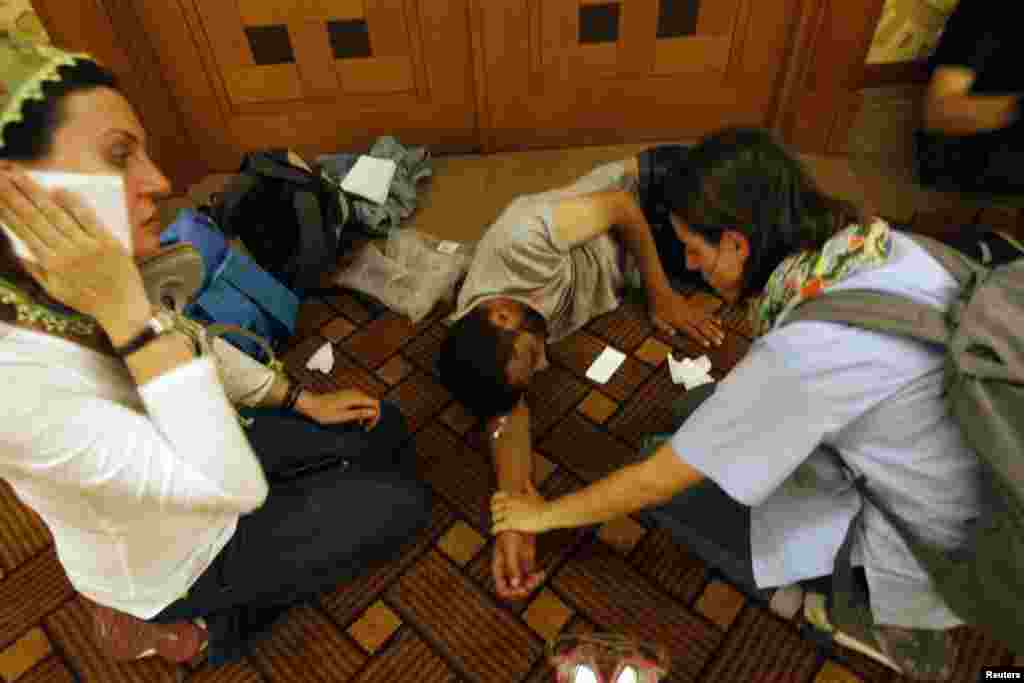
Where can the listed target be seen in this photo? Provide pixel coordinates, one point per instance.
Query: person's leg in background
(341, 500)
(706, 521)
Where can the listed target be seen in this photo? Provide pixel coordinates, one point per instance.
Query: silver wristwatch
(162, 322)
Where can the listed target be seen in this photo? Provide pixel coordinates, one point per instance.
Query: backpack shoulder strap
(962, 268)
(225, 204)
(271, 165)
(315, 246)
(876, 311)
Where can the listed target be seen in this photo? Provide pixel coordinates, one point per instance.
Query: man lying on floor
(551, 263)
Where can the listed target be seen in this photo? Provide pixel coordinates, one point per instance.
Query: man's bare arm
(511, 449)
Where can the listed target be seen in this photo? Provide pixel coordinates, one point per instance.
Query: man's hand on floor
(513, 565)
(672, 312)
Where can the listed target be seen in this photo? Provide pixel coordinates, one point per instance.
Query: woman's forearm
(627, 490)
(165, 353)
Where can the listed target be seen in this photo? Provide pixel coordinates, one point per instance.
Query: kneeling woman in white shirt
(182, 529)
(755, 481)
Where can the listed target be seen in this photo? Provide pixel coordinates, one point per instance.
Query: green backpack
(983, 334)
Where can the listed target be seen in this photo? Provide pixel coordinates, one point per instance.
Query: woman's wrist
(291, 397)
(304, 402)
(126, 323)
(549, 515)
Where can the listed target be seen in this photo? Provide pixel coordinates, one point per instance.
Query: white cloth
(370, 178)
(692, 372)
(104, 194)
(877, 400)
(141, 487)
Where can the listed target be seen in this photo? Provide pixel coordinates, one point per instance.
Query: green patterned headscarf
(805, 275)
(24, 68)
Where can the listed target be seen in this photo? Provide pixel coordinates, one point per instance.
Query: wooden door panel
(821, 98)
(630, 70)
(325, 75)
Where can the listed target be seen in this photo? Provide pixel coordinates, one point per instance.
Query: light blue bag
(236, 291)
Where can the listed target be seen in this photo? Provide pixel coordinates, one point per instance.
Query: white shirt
(877, 400)
(141, 487)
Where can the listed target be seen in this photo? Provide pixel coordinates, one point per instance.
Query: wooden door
(822, 95)
(316, 75)
(598, 71)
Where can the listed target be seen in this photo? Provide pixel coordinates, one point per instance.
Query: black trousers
(716, 528)
(706, 521)
(341, 499)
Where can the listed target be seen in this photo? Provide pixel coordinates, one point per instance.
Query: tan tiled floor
(431, 614)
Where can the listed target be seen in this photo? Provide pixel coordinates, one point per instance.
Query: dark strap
(314, 247)
(277, 166)
(843, 585)
(226, 203)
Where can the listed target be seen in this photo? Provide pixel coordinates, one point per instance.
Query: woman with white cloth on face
(757, 229)
(127, 444)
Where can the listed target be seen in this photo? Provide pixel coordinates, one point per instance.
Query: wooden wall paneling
(175, 28)
(716, 17)
(377, 75)
(414, 24)
(639, 23)
(314, 59)
(113, 32)
(508, 18)
(381, 16)
(576, 93)
(425, 96)
(820, 98)
(482, 114)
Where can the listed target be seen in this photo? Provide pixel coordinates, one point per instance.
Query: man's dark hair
(32, 138)
(473, 363)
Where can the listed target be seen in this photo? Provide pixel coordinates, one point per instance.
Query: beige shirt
(521, 257)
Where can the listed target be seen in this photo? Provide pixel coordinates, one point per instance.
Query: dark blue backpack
(235, 290)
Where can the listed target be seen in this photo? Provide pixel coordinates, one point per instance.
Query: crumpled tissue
(691, 372)
(322, 360)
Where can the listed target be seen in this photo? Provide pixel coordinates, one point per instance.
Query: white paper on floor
(322, 360)
(691, 372)
(605, 365)
(370, 177)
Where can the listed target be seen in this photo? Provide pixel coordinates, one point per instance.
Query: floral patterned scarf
(807, 274)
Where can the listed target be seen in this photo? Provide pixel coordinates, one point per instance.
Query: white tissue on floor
(322, 360)
(690, 372)
(370, 177)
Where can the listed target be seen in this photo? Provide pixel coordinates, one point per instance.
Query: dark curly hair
(474, 357)
(743, 179)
